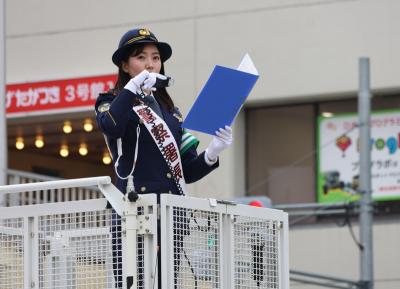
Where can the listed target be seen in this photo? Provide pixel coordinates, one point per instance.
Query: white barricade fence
(211, 244)
(204, 243)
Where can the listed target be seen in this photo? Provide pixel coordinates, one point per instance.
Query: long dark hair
(160, 94)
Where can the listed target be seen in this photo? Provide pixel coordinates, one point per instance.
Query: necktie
(153, 104)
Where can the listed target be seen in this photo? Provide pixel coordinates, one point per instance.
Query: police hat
(139, 36)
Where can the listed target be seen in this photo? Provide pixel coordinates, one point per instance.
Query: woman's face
(148, 59)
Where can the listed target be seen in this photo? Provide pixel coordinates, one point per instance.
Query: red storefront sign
(56, 96)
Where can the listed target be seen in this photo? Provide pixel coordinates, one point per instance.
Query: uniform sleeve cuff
(208, 161)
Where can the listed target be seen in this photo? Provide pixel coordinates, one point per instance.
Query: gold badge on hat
(144, 32)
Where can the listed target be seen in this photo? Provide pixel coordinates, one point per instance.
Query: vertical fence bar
(129, 254)
(59, 195)
(67, 195)
(228, 252)
(28, 251)
(14, 199)
(73, 194)
(52, 196)
(37, 196)
(150, 259)
(164, 252)
(169, 241)
(35, 252)
(30, 198)
(284, 253)
(167, 252)
(80, 194)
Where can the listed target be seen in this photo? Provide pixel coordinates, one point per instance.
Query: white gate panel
(261, 248)
(191, 244)
(214, 244)
(57, 246)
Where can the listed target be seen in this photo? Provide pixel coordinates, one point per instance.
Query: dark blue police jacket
(116, 119)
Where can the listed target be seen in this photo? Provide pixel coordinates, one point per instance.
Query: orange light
(19, 143)
(106, 158)
(67, 127)
(83, 149)
(39, 141)
(88, 125)
(64, 152)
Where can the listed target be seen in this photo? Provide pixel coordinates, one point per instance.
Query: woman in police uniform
(139, 163)
(140, 59)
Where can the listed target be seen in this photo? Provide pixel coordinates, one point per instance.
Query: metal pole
(366, 208)
(324, 277)
(3, 120)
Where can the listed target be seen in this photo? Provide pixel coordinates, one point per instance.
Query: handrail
(60, 184)
(31, 195)
(29, 175)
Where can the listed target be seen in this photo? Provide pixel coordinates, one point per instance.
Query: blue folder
(220, 100)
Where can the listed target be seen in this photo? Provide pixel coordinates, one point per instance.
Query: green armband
(188, 140)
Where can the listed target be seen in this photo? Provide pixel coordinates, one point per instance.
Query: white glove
(221, 141)
(135, 83)
(151, 80)
(143, 81)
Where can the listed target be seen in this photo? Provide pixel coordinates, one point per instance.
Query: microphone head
(164, 82)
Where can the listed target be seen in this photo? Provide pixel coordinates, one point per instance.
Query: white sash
(165, 141)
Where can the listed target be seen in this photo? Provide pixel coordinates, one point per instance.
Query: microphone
(163, 82)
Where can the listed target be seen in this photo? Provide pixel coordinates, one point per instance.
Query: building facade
(307, 56)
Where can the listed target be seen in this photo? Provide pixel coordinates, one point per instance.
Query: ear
(124, 66)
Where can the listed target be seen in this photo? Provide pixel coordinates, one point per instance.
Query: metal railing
(194, 243)
(43, 197)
